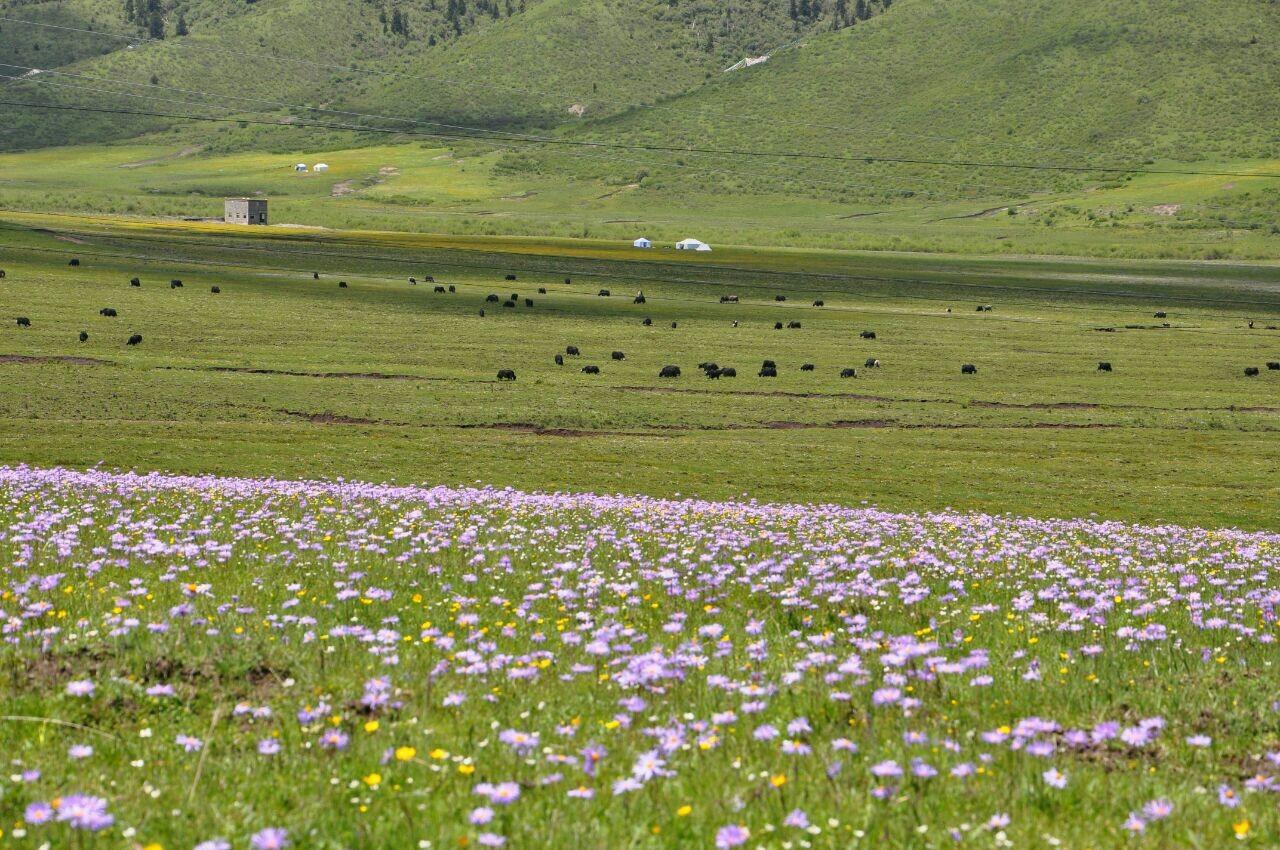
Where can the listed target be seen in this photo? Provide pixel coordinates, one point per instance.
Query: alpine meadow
(778, 424)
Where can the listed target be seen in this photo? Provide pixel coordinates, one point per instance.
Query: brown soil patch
(331, 418)
(68, 360)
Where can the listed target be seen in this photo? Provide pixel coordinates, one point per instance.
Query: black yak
(135, 339)
(669, 372)
(506, 375)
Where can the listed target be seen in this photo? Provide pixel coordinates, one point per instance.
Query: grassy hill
(1105, 84)
(494, 63)
(1100, 82)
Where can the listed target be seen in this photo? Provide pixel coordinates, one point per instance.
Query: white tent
(692, 245)
(302, 166)
(642, 242)
(320, 166)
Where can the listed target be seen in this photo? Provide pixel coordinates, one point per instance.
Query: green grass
(1176, 433)
(431, 189)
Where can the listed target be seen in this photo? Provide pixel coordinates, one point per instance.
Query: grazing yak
(984, 308)
(429, 278)
(872, 363)
(591, 370)
(819, 303)
(133, 281)
(215, 289)
(528, 302)
(453, 288)
(708, 366)
(647, 321)
(768, 364)
(508, 303)
(1161, 314)
(506, 375)
(604, 293)
(542, 290)
(807, 367)
(1251, 371)
(1273, 366)
(413, 281)
(74, 262)
(735, 323)
(567, 281)
(572, 350)
(24, 322)
(342, 284)
(728, 299)
(728, 372)
(674, 325)
(848, 373)
(108, 311)
(779, 298)
(482, 312)
(669, 372)
(315, 275)
(439, 290)
(511, 277)
(175, 284)
(1104, 366)
(135, 339)
(795, 326)
(868, 334)
(618, 355)
(515, 296)
(777, 326)
(639, 299)
(492, 299)
(559, 359)
(769, 372)
(1, 274)
(84, 336)
(968, 369)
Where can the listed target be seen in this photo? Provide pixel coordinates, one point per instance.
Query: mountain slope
(1101, 82)
(492, 63)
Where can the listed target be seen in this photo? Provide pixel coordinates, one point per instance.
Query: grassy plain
(270, 375)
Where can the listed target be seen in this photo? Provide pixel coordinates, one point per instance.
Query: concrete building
(245, 211)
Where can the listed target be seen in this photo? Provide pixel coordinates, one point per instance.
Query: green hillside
(1099, 82)
(492, 63)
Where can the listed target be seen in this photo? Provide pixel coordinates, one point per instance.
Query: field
(475, 190)
(218, 663)
(283, 374)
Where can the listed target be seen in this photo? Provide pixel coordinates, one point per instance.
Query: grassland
(424, 188)
(271, 376)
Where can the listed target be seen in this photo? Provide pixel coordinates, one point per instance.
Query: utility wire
(739, 152)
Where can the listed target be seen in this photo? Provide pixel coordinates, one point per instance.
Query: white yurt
(320, 166)
(692, 245)
(302, 166)
(642, 242)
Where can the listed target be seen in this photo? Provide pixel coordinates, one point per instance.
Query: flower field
(230, 663)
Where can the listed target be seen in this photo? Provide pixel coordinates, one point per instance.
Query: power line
(906, 189)
(739, 152)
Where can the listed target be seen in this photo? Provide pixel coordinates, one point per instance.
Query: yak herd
(768, 369)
